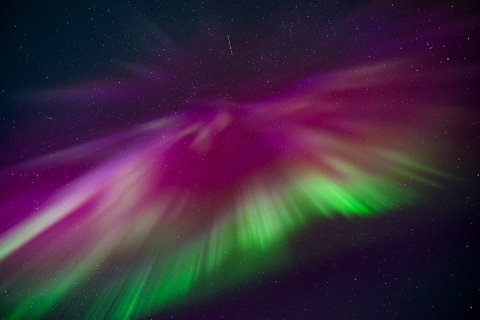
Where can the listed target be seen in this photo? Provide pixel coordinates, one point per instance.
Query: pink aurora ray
(143, 217)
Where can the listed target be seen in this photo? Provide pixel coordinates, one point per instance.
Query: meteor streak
(229, 44)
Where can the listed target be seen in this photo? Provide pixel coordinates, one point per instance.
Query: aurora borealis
(187, 163)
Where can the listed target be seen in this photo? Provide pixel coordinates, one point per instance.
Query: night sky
(239, 160)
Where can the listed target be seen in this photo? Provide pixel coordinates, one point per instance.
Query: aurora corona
(149, 215)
